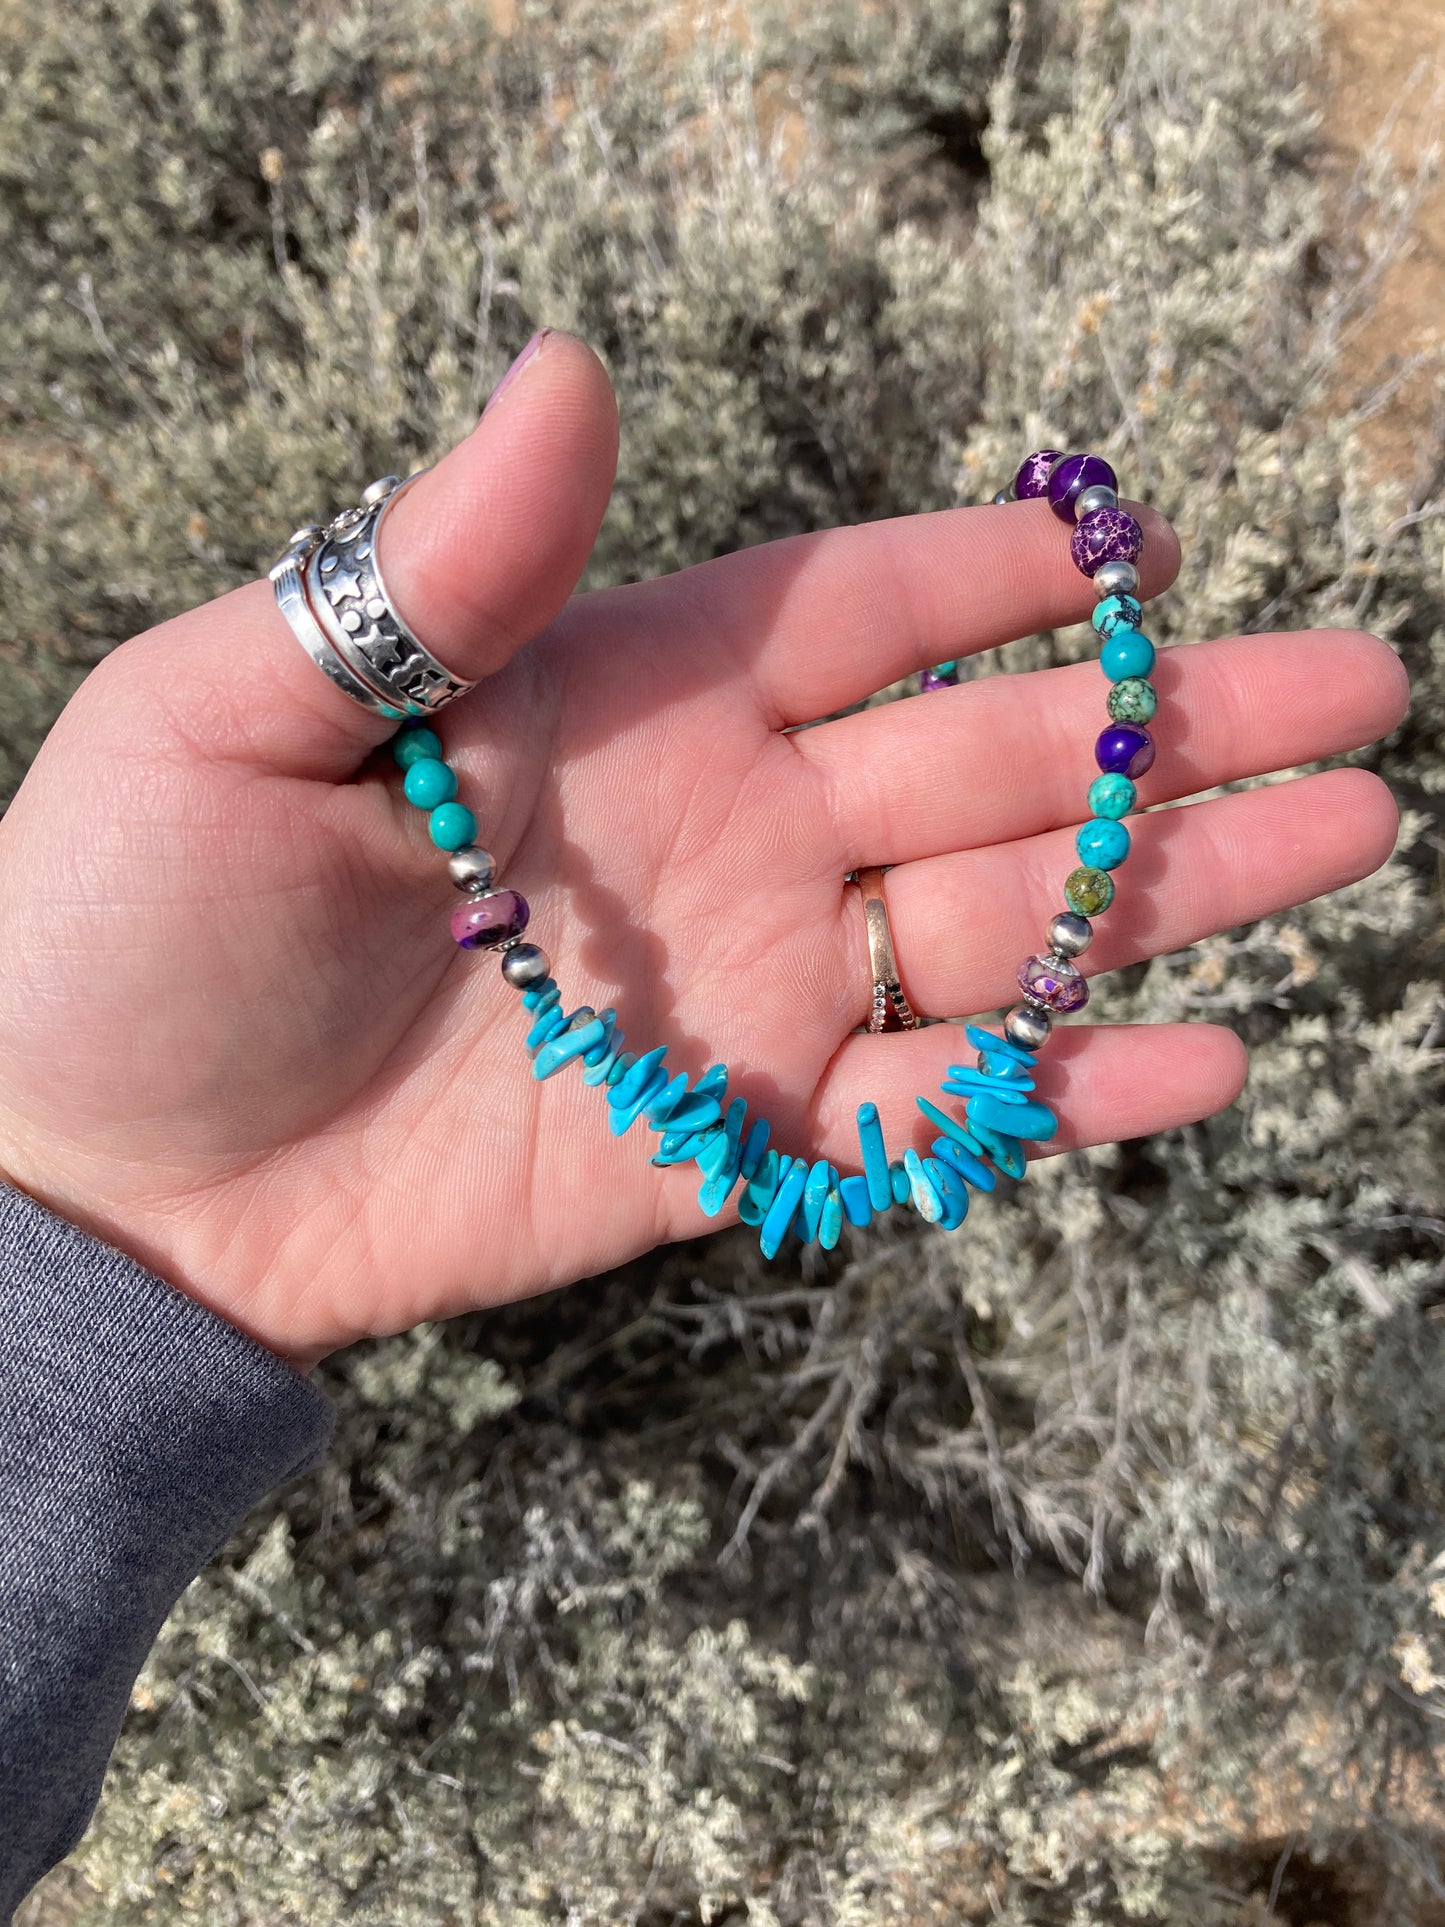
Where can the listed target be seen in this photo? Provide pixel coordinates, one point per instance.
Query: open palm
(238, 1041)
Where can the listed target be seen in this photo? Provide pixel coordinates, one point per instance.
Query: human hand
(238, 1041)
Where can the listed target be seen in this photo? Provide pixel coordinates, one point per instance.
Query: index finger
(821, 621)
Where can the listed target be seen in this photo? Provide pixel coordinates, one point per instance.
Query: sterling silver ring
(330, 589)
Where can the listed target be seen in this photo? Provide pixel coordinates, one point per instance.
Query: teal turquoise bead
(1111, 795)
(926, 1200)
(601, 1071)
(691, 1111)
(1005, 1149)
(1005, 1090)
(667, 1100)
(726, 1148)
(760, 1189)
(568, 1044)
(641, 1071)
(1029, 1119)
(717, 1184)
(1134, 700)
(681, 1147)
(952, 1191)
(429, 782)
(857, 1205)
(713, 1082)
(815, 1191)
(410, 746)
(451, 824)
(989, 1040)
(945, 1123)
(619, 1070)
(898, 1181)
(606, 1047)
(542, 994)
(754, 1145)
(621, 1117)
(551, 1021)
(779, 1217)
(830, 1224)
(948, 1151)
(875, 1157)
(1101, 843)
(1116, 612)
(1126, 653)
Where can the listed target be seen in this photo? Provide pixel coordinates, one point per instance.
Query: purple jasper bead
(930, 679)
(1126, 749)
(1073, 475)
(1033, 477)
(1054, 982)
(481, 923)
(1108, 535)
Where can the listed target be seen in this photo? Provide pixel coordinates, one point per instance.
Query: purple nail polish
(528, 354)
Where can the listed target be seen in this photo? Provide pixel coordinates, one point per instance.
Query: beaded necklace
(782, 1194)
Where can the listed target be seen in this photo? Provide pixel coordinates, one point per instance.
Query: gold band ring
(890, 1008)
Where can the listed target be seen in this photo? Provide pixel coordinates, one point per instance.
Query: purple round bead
(1054, 982)
(1108, 535)
(1033, 477)
(930, 679)
(481, 923)
(1126, 749)
(1073, 475)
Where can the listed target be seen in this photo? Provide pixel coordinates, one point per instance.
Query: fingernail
(529, 353)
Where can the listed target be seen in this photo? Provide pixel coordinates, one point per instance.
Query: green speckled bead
(451, 825)
(412, 745)
(1088, 891)
(429, 782)
(1111, 795)
(1133, 700)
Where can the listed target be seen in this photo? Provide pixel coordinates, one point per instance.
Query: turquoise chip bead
(619, 1070)
(1102, 843)
(665, 1103)
(551, 1022)
(641, 1071)
(1029, 1119)
(692, 1111)
(1116, 612)
(964, 1162)
(945, 1123)
(428, 782)
(681, 1147)
(621, 1117)
(988, 1040)
(1126, 653)
(541, 994)
(1111, 795)
(964, 1083)
(926, 1200)
(606, 1047)
(718, 1183)
(998, 1070)
(754, 1146)
(563, 1048)
(760, 1189)
(410, 746)
(830, 1221)
(819, 1183)
(451, 824)
(951, 1190)
(789, 1194)
(601, 1071)
(857, 1205)
(713, 1082)
(875, 1157)
(1005, 1150)
(898, 1182)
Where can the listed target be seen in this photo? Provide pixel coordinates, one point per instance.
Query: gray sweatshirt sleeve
(137, 1429)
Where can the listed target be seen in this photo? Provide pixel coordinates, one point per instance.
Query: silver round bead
(472, 868)
(524, 964)
(1028, 1025)
(378, 490)
(1002, 497)
(1070, 934)
(1100, 496)
(1116, 578)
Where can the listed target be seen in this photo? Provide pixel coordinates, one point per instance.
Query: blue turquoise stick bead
(875, 1157)
(945, 1123)
(998, 1070)
(691, 1111)
(621, 1117)
(682, 1147)
(1005, 1150)
(816, 1188)
(545, 992)
(785, 1202)
(926, 1201)
(1116, 612)
(718, 1183)
(950, 1152)
(608, 1019)
(665, 1103)
(952, 1191)
(1111, 795)
(641, 1071)
(619, 1070)
(1029, 1119)
(410, 746)
(898, 1181)
(990, 1041)
(450, 825)
(1102, 843)
(754, 1145)
(760, 1189)
(562, 1049)
(728, 1150)
(830, 1221)
(601, 1071)
(857, 1205)
(550, 1023)
(429, 781)
(1007, 1090)
(713, 1082)
(1126, 653)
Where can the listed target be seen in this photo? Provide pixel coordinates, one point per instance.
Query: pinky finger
(1104, 1083)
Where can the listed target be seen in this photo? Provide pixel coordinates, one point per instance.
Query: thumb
(479, 555)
